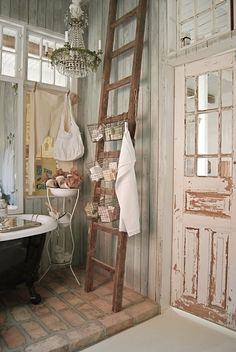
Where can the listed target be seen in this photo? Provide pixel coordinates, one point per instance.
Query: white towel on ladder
(126, 187)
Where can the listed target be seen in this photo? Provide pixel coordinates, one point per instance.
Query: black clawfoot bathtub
(20, 254)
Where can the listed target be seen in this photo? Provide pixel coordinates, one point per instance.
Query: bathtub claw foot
(35, 298)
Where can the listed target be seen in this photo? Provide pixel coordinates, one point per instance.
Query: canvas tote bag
(68, 145)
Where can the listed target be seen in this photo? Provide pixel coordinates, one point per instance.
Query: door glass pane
(190, 94)
(33, 70)
(226, 167)
(187, 30)
(189, 167)
(190, 135)
(9, 39)
(208, 91)
(207, 167)
(203, 5)
(204, 25)
(227, 88)
(221, 15)
(8, 64)
(208, 133)
(186, 9)
(226, 133)
(48, 47)
(47, 73)
(60, 80)
(34, 46)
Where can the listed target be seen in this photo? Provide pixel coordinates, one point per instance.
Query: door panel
(204, 227)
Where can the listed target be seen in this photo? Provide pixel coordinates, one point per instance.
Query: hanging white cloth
(44, 110)
(126, 187)
(8, 179)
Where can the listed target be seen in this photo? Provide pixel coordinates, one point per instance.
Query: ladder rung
(103, 265)
(115, 118)
(123, 49)
(122, 82)
(125, 18)
(104, 228)
(107, 155)
(105, 191)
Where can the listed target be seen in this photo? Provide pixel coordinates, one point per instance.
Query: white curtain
(8, 128)
(45, 113)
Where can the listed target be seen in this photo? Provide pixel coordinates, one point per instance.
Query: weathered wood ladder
(133, 81)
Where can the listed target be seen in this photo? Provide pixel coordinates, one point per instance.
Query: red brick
(116, 322)
(72, 298)
(88, 296)
(57, 287)
(102, 305)
(44, 293)
(133, 296)
(56, 303)
(52, 344)
(34, 329)
(142, 311)
(89, 312)
(86, 335)
(13, 337)
(73, 318)
(53, 323)
(2, 318)
(40, 309)
(20, 313)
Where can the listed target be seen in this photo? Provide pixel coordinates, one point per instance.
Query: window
(201, 19)
(9, 49)
(39, 65)
(208, 124)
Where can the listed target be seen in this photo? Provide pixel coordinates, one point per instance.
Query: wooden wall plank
(49, 15)
(5, 8)
(15, 9)
(24, 10)
(33, 7)
(41, 13)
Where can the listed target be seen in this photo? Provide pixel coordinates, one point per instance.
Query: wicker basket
(114, 131)
(96, 132)
(105, 169)
(106, 209)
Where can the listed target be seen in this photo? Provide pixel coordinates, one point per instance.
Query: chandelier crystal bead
(73, 59)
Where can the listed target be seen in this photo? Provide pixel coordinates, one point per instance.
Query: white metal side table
(64, 221)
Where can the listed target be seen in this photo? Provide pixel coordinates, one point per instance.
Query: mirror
(11, 155)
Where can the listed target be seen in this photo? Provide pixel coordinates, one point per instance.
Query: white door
(204, 224)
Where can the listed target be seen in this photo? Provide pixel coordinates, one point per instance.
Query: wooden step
(123, 49)
(125, 18)
(106, 155)
(121, 83)
(103, 265)
(101, 227)
(115, 118)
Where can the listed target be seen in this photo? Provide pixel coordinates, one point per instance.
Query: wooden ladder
(130, 116)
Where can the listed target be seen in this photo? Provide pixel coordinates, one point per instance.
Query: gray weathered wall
(47, 14)
(144, 263)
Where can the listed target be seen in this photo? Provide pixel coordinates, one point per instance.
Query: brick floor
(68, 318)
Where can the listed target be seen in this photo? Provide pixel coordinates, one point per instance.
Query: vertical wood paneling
(191, 246)
(15, 9)
(5, 8)
(41, 13)
(24, 10)
(33, 7)
(57, 15)
(47, 14)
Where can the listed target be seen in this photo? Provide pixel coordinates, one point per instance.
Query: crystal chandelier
(74, 60)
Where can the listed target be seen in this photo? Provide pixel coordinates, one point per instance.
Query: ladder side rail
(136, 67)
